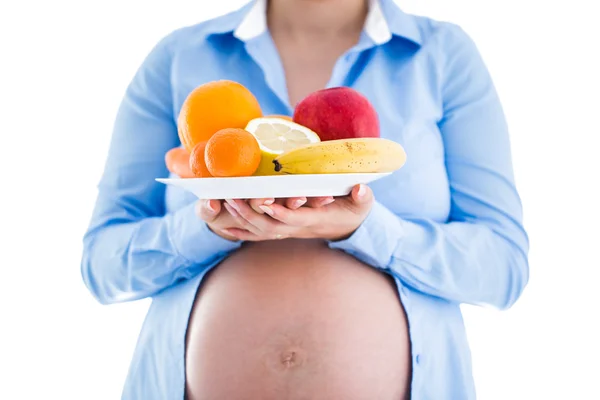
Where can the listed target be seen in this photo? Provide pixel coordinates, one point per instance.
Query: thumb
(208, 210)
(362, 196)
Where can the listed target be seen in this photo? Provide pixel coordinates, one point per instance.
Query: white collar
(254, 23)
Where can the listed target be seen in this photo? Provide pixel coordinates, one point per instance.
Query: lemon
(276, 136)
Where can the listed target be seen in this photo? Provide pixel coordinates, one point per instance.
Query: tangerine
(232, 152)
(214, 106)
(197, 163)
(178, 162)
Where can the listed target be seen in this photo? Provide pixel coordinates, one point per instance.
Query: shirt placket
(264, 53)
(341, 74)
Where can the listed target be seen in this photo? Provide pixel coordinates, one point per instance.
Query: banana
(358, 155)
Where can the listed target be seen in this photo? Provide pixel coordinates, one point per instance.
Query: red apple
(338, 113)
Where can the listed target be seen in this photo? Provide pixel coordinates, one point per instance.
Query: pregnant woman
(352, 298)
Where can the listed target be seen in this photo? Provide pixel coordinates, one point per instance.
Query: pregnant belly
(296, 320)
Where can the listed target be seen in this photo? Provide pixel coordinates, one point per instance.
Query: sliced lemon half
(276, 136)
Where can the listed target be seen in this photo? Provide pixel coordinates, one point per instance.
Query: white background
(64, 66)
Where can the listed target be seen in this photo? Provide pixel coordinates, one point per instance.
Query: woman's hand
(271, 220)
(217, 218)
(222, 222)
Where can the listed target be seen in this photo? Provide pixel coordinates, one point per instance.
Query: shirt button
(418, 359)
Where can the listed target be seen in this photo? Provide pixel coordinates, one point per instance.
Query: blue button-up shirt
(447, 226)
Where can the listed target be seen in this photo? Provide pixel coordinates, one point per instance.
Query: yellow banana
(359, 155)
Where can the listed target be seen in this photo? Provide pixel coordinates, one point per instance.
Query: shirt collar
(384, 19)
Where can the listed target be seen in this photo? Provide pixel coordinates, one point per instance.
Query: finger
(256, 203)
(241, 234)
(316, 202)
(362, 196)
(238, 219)
(266, 225)
(208, 210)
(222, 232)
(358, 201)
(294, 203)
(300, 217)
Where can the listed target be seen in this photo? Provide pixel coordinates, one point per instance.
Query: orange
(197, 163)
(232, 152)
(214, 106)
(279, 116)
(178, 162)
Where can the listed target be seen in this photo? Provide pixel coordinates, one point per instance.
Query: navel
(286, 360)
(291, 359)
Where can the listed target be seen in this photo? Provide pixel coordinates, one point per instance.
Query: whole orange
(178, 162)
(197, 163)
(214, 106)
(232, 152)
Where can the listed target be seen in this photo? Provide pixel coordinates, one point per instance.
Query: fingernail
(298, 203)
(268, 202)
(231, 210)
(362, 190)
(209, 207)
(233, 204)
(326, 201)
(266, 209)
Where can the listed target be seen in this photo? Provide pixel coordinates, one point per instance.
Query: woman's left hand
(334, 221)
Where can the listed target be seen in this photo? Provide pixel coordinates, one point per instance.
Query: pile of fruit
(224, 133)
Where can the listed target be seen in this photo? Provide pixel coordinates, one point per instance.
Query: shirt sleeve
(479, 256)
(132, 248)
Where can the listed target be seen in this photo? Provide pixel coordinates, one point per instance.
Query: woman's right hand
(217, 218)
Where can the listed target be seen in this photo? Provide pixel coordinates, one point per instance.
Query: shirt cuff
(193, 239)
(375, 239)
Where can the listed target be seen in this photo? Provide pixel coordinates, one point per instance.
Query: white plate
(277, 186)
